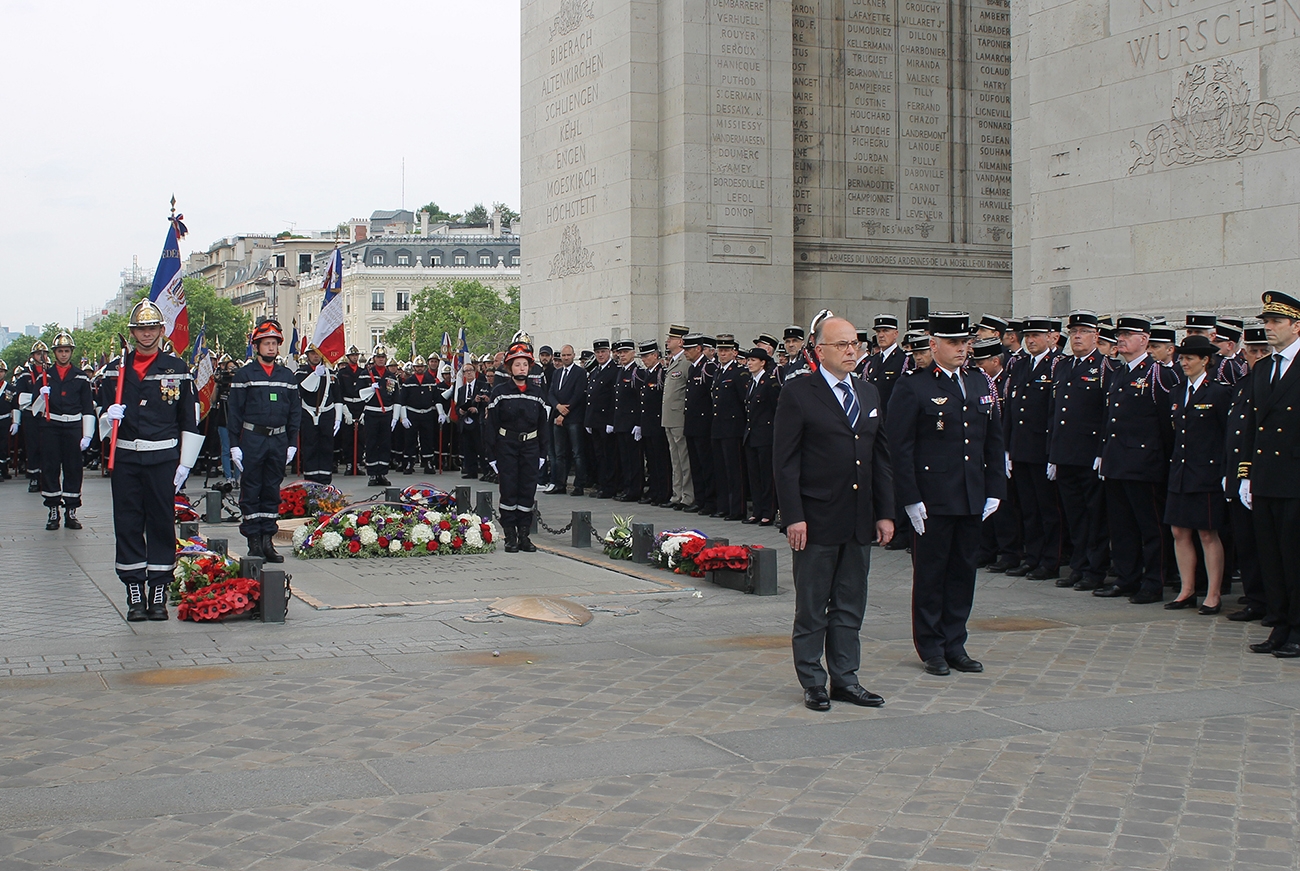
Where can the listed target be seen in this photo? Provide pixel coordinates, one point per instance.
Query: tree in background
(489, 320)
(479, 214)
(510, 215)
(437, 215)
(227, 324)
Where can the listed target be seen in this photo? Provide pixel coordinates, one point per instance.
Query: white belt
(146, 445)
(417, 410)
(66, 418)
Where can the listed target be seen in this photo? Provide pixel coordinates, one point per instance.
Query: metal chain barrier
(565, 529)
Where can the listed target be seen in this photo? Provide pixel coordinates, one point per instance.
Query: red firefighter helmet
(267, 329)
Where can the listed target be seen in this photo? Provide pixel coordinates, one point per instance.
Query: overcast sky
(259, 116)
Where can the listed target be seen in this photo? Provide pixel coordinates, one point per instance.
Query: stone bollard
(273, 601)
(219, 545)
(392, 494)
(762, 571)
(580, 529)
(462, 500)
(187, 530)
(212, 506)
(643, 539)
(483, 505)
(251, 567)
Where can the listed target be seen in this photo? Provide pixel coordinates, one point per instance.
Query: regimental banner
(168, 291)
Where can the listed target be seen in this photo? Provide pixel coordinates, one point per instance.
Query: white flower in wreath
(367, 535)
(348, 521)
(331, 541)
(473, 537)
(421, 533)
(300, 534)
(394, 546)
(445, 537)
(671, 545)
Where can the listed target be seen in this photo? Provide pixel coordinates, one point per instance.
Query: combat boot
(512, 540)
(269, 553)
(525, 543)
(157, 602)
(53, 521)
(135, 602)
(33, 486)
(254, 545)
(70, 518)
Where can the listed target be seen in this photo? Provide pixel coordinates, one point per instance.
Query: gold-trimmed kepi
(1280, 304)
(146, 314)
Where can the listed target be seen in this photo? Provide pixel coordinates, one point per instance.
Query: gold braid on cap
(1277, 307)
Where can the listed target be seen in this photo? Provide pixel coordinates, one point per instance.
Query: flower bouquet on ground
(196, 568)
(229, 598)
(617, 543)
(666, 554)
(732, 558)
(309, 499)
(185, 512)
(427, 496)
(394, 531)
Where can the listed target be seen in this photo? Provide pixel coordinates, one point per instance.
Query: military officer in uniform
(627, 423)
(1000, 536)
(599, 419)
(1134, 463)
(654, 441)
(322, 406)
(66, 431)
(675, 370)
(762, 391)
(728, 430)
(1028, 420)
(698, 416)
(379, 387)
(886, 365)
(950, 470)
(1268, 476)
(796, 363)
(1074, 443)
(351, 441)
(1232, 362)
(1240, 520)
(158, 442)
(264, 417)
(517, 436)
(422, 415)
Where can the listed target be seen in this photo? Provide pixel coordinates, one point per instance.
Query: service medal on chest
(938, 424)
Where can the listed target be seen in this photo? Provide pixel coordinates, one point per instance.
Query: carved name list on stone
(988, 98)
(570, 96)
(805, 67)
(740, 136)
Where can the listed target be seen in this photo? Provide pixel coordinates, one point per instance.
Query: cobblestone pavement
(1101, 736)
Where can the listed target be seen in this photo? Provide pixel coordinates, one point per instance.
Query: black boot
(33, 486)
(524, 524)
(269, 553)
(512, 540)
(70, 518)
(254, 545)
(53, 521)
(157, 602)
(135, 602)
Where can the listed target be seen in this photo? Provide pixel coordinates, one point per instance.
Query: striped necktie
(850, 403)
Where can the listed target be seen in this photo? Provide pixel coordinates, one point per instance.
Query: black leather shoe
(1086, 585)
(999, 567)
(1275, 640)
(750, 520)
(1246, 615)
(857, 695)
(1180, 604)
(937, 665)
(815, 699)
(734, 517)
(644, 500)
(963, 662)
(1290, 650)
(1110, 591)
(1147, 597)
(1209, 610)
(1066, 582)
(1019, 571)
(577, 492)
(766, 521)
(469, 475)
(691, 509)
(512, 540)
(1042, 573)
(678, 506)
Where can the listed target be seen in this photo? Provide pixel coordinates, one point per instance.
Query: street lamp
(271, 279)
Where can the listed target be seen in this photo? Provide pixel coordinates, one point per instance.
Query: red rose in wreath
(354, 546)
(457, 542)
(431, 546)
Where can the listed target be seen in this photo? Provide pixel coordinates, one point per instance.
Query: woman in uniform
(517, 438)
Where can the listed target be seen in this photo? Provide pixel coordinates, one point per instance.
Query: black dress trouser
(1277, 528)
(259, 489)
(830, 599)
(943, 583)
(1135, 512)
(316, 447)
(144, 519)
(1085, 517)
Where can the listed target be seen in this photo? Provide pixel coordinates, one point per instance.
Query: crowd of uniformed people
(1136, 462)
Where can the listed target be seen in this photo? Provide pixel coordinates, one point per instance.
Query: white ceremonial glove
(45, 391)
(990, 505)
(13, 429)
(609, 430)
(541, 461)
(322, 370)
(587, 428)
(292, 452)
(347, 415)
(636, 433)
(1223, 484)
(338, 422)
(442, 417)
(237, 457)
(1244, 492)
(182, 472)
(393, 425)
(1051, 471)
(116, 412)
(85, 443)
(493, 464)
(1096, 467)
(1008, 465)
(406, 423)
(916, 513)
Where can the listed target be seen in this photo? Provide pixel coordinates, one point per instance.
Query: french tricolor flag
(167, 291)
(328, 335)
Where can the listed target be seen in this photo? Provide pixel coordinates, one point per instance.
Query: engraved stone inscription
(805, 56)
(568, 100)
(988, 99)
(740, 142)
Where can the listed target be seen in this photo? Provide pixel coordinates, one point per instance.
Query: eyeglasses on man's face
(842, 347)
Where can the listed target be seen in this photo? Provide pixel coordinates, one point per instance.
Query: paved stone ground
(1101, 736)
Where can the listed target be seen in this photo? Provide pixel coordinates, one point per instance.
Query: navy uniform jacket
(316, 392)
(258, 399)
(1196, 465)
(948, 453)
(834, 477)
(627, 397)
(652, 398)
(348, 377)
(698, 408)
(1079, 410)
(1227, 370)
(1028, 419)
(729, 402)
(1273, 418)
(71, 403)
(884, 372)
(1234, 443)
(600, 397)
(797, 366)
(1139, 431)
(162, 416)
(760, 408)
(513, 412)
(379, 392)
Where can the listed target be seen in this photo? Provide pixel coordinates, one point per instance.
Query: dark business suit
(760, 415)
(947, 454)
(837, 479)
(569, 388)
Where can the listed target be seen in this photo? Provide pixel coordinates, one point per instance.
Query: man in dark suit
(950, 471)
(834, 485)
(568, 400)
(1272, 467)
(471, 406)
(1240, 518)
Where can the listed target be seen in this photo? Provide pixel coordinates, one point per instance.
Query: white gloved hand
(45, 391)
(1244, 492)
(1096, 465)
(347, 415)
(338, 422)
(292, 452)
(493, 464)
(990, 505)
(182, 472)
(85, 442)
(322, 370)
(13, 429)
(636, 433)
(916, 513)
(406, 423)
(237, 457)
(541, 461)
(588, 430)
(609, 430)
(442, 417)
(1008, 465)
(1051, 471)
(116, 412)
(393, 425)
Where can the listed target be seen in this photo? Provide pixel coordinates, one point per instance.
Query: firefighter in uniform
(654, 438)
(599, 420)
(422, 415)
(66, 431)
(30, 411)
(886, 365)
(158, 442)
(322, 405)
(350, 441)
(264, 415)
(379, 388)
(728, 430)
(627, 423)
(796, 363)
(8, 401)
(698, 416)
(517, 436)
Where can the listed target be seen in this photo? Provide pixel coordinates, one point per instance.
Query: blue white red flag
(293, 343)
(205, 375)
(328, 336)
(167, 291)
